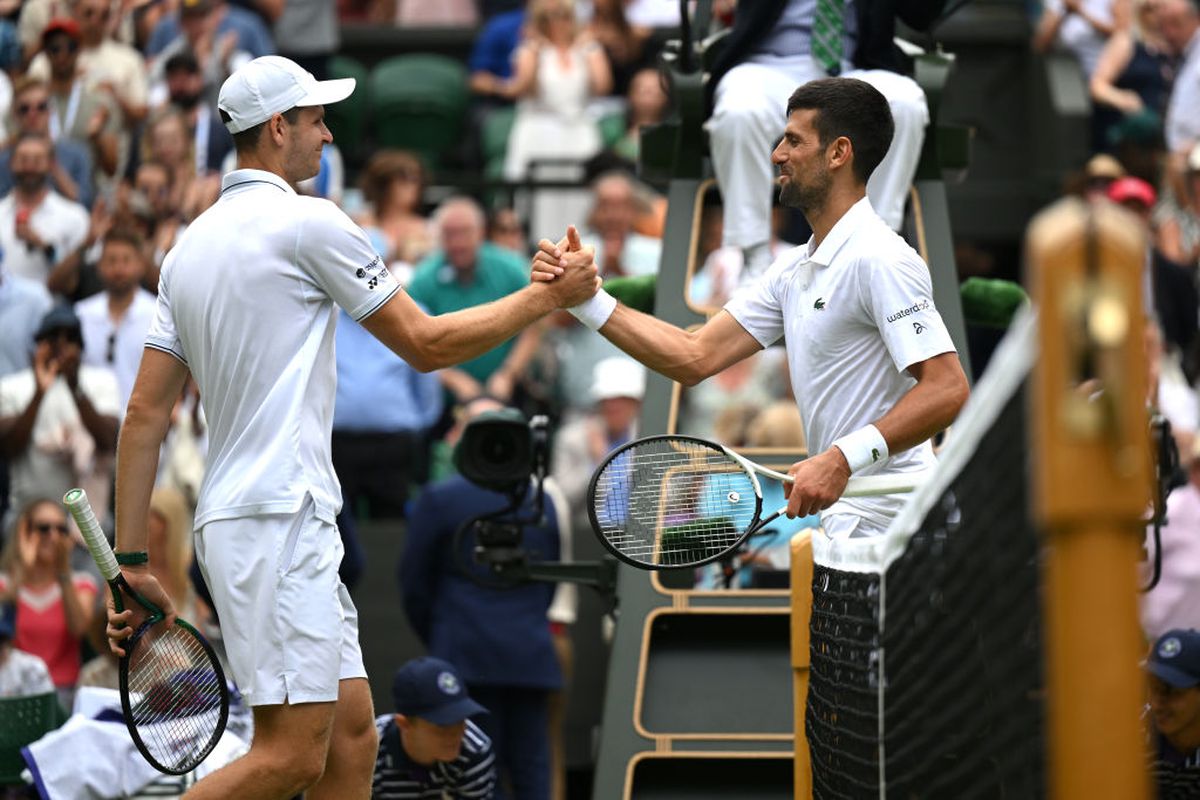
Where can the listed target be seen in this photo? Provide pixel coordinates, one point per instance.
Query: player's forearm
(927, 408)
(661, 346)
(137, 464)
(459, 336)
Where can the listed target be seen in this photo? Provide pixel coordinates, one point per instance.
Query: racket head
(663, 502)
(173, 695)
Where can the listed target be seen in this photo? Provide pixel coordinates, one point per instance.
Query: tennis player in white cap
(246, 304)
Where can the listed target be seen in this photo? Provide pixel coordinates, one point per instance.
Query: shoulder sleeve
(758, 308)
(163, 335)
(339, 258)
(898, 294)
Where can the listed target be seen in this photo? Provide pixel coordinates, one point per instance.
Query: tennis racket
(680, 501)
(173, 689)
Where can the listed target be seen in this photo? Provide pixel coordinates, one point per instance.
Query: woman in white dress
(557, 70)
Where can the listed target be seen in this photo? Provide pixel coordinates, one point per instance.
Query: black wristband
(133, 559)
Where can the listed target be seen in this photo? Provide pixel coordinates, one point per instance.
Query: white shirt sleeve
(339, 258)
(899, 296)
(757, 307)
(163, 335)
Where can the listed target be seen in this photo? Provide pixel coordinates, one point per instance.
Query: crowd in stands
(112, 145)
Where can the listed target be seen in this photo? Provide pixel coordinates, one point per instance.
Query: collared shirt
(59, 222)
(117, 345)
(247, 301)
(23, 303)
(1183, 109)
(854, 314)
(398, 777)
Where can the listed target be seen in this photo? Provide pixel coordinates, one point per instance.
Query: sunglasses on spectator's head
(45, 528)
(25, 108)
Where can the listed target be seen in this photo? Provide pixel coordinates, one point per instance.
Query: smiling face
(303, 142)
(804, 177)
(48, 524)
(1176, 711)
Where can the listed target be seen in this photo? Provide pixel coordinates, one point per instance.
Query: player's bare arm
(159, 382)
(927, 408)
(432, 342)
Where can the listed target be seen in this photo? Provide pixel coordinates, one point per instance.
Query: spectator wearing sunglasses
(115, 321)
(71, 173)
(58, 418)
(55, 606)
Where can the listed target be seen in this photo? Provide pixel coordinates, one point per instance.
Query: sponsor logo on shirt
(819, 305)
(918, 327)
(371, 272)
(922, 305)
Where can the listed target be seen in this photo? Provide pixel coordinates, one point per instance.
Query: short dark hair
(247, 140)
(126, 235)
(851, 108)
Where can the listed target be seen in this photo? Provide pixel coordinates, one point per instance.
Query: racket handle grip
(899, 483)
(77, 503)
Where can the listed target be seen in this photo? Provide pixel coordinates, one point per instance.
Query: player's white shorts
(289, 626)
(852, 526)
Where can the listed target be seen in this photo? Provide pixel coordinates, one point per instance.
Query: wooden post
(1091, 487)
(802, 579)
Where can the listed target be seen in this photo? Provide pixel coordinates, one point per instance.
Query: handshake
(571, 268)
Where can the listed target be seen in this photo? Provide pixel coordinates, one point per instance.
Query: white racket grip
(868, 485)
(77, 503)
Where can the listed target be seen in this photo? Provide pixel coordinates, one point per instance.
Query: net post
(1091, 476)
(801, 583)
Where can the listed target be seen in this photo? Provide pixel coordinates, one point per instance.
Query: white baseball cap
(271, 85)
(618, 376)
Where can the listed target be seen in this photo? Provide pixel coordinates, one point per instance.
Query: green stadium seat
(347, 120)
(612, 128)
(24, 720)
(419, 103)
(494, 135)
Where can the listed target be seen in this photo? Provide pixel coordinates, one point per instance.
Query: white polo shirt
(117, 345)
(854, 315)
(247, 300)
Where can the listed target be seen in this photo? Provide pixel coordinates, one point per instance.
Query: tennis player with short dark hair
(247, 305)
(873, 368)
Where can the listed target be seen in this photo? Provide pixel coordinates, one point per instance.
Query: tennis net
(926, 675)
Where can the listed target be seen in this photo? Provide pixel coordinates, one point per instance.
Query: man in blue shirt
(429, 747)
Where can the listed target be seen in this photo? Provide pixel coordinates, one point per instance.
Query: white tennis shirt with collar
(854, 314)
(247, 301)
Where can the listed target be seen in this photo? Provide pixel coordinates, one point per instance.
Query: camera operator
(497, 635)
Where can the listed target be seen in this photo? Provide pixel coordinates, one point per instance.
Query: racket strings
(176, 696)
(673, 502)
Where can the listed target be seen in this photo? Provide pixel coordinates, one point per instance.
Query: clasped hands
(567, 257)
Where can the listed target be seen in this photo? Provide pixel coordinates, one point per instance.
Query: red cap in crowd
(62, 25)
(1129, 189)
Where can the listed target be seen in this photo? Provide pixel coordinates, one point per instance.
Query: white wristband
(863, 447)
(596, 311)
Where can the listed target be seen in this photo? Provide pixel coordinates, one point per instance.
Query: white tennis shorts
(289, 626)
(853, 526)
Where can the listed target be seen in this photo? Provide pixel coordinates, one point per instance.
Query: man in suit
(499, 638)
(776, 46)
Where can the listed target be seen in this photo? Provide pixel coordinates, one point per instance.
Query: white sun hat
(271, 85)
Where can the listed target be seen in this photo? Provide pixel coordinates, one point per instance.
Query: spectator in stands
(38, 226)
(380, 449)
(505, 230)
(1170, 287)
(55, 606)
(625, 44)
(647, 105)
(499, 637)
(557, 71)
(467, 271)
(1098, 174)
(393, 183)
(21, 674)
(71, 176)
(491, 60)
(747, 382)
(1081, 27)
(430, 747)
(307, 32)
(194, 95)
(1175, 601)
(169, 142)
(1174, 674)
(23, 303)
(216, 56)
(1178, 218)
(108, 66)
(77, 112)
(154, 181)
(1179, 25)
(416, 13)
(115, 322)
(1133, 71)
(58, 419)
(769, 52)
(620, 249)
(217, 29)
